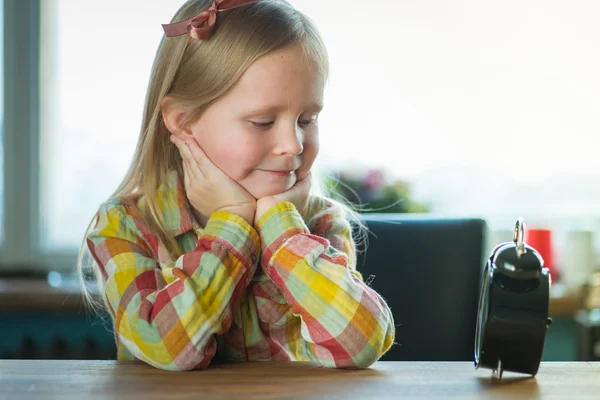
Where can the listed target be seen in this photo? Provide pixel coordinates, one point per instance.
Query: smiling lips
(278, 173)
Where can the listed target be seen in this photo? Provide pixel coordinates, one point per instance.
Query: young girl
(213, 247)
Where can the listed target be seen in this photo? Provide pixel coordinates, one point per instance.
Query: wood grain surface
(61, 379)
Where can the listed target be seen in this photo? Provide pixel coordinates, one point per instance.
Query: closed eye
(262, 125)
(266, 125)
(306, 123)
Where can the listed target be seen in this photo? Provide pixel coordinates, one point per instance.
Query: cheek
(313, 144)
(225, 144)
(234, 156)
(311, 150)
(240, 159)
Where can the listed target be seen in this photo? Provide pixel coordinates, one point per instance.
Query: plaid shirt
(283, 290)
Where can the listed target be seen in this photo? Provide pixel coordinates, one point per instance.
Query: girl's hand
(207, 187)
(297, 194)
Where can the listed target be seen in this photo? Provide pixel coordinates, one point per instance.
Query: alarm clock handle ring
(519, 236)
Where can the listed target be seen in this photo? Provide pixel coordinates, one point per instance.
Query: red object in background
(541, 240)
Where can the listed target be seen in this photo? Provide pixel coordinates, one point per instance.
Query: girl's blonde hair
(194, 74)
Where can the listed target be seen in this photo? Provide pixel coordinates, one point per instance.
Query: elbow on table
(358, 362)
(369, 354)
(364, 360)
(191, 365)
(165, 356)
(182, 362)
(373, 350)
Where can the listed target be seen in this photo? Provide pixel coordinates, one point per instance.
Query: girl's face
(263, 133)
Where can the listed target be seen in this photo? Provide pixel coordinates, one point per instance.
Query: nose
(289, 140)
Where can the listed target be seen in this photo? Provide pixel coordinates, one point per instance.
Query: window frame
(21, 247)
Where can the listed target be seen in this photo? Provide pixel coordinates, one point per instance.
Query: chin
(260, 185)
(259, 191)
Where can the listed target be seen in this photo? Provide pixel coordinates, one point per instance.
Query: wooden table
(50, 379)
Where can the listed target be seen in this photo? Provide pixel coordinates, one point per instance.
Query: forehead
(285, 76)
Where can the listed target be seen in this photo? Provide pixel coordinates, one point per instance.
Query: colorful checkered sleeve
(343, 323)
(167, 315)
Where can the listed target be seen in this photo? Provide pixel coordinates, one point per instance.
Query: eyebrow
(315, 107)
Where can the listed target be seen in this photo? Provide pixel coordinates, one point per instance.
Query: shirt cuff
(235, 233)
(280, 222)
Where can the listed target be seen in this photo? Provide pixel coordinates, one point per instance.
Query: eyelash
(266, 125)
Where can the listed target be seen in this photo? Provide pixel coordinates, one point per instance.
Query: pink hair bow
(201, 26)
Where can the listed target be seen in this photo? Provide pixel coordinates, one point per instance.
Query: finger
(307, 177)
(303, 172)
(187, 182)
(186, 154)
(306, 180)
(204, 163)
(186, 167)
(186, 176)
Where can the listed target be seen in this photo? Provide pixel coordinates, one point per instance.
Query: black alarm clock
(512, 317)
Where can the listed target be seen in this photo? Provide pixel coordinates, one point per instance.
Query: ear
(173, 116)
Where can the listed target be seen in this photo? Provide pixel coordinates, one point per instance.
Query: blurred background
(468, 108)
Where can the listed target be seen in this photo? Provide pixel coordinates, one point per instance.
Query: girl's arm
(342, 322)
(167, 315)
